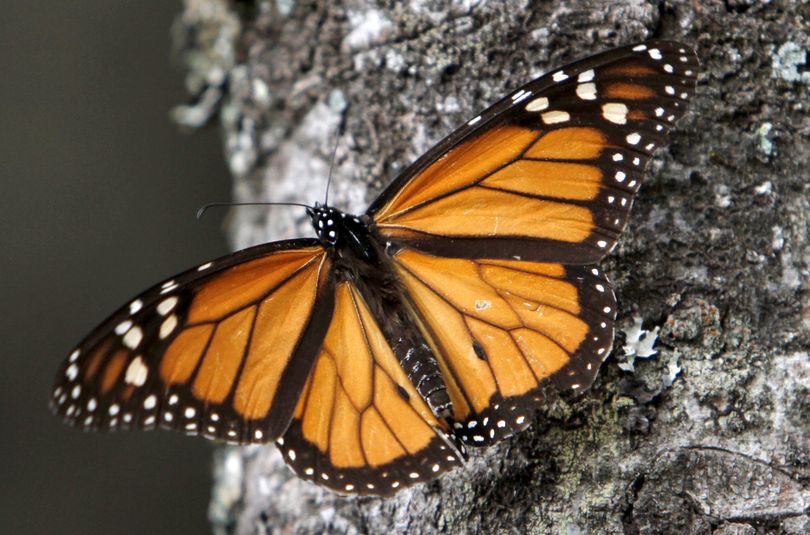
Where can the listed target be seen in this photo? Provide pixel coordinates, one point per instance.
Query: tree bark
(710, 434)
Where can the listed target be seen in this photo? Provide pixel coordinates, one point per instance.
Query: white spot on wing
(167, 305)
(554, 117)
(169, 288)
(585, 76)
(135, 306)
(615, 112)
(133, 337)
(72, 372)
(538, 104)
(168, 326)
(559, 76)
(520, 96)
(587, 91)
(136, 372)
(123, 327)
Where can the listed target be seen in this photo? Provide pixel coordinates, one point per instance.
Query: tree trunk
(709, 435)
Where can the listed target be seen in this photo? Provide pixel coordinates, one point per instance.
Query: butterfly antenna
(204, 208)
(332, 164)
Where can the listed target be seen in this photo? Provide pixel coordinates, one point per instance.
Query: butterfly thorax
(338, 231)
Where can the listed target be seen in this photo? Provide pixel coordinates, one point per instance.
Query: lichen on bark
(707, 436)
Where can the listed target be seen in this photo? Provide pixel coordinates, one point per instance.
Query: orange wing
(508, 332)
(360, 426)
(548, 174)
(223, 350)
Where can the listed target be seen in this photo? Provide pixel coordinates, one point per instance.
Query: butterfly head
(326, 221)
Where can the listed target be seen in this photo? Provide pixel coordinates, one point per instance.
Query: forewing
(222, 350)
(508, 333)
(360, 426)
(549, 173)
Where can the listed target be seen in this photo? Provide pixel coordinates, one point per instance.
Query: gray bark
(709, 435)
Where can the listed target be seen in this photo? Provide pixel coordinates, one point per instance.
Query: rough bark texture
(710, 435)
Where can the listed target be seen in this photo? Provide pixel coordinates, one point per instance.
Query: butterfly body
(442, 318)
(362, 260)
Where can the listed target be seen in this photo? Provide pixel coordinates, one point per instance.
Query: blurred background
(99, 191)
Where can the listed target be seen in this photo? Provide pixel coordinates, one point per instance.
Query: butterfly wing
(549, 173)
(507, 333)
(491, 230)
(360, 426)
(222, 350)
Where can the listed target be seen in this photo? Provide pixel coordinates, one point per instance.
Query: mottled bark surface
(710, 435)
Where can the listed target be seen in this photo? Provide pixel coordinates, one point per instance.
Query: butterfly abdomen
(417, 359)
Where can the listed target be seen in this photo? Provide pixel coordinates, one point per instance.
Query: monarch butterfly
(376, 353)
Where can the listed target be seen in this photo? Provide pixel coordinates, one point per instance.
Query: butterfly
(375, 354)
